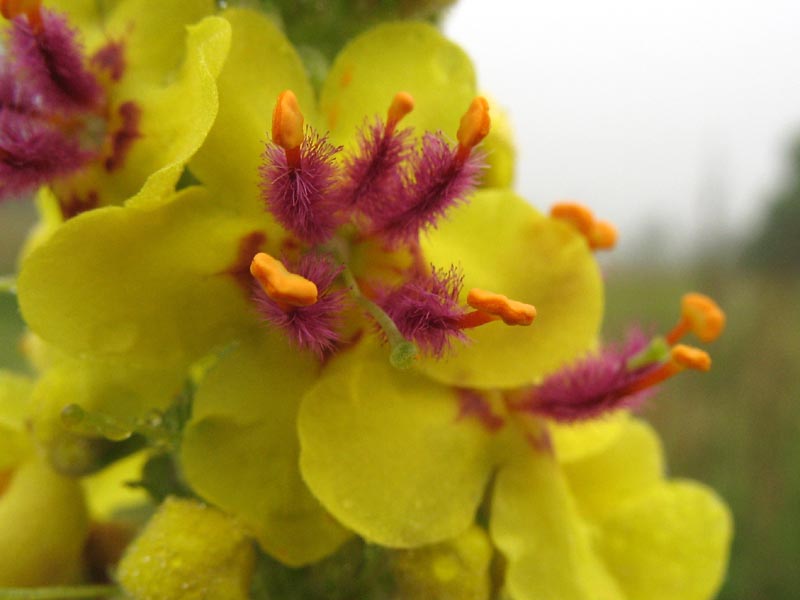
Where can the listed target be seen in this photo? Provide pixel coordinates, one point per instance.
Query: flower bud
(188, 551)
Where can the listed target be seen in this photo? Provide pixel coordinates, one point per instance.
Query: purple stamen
(372, 176)
(50, 59)
(33, 152)
(314, 327)
(426, 310)
(301, 198)
(440, 179)
(591, 386)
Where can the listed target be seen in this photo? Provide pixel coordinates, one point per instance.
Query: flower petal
(385, 452)
(231, 155)
(627, 468)
(117, 389)
(107, 492)
(152, 286)
(43, 527)
(174, 121)
(15, 391)
(240, 450)
(671, 543)
(152, 34)
(391, 58)
(506, 246)
(579, 440)
(535, 525)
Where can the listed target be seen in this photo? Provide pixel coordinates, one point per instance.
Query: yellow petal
(391, 58)
(152, 34)
(176, 114)
(261, 64)
(107, 492)
(15, 392)
(576, 441)
(671, 543)
(535, 524)
(43, 527)
(627, 468)
(384, 451)
(506, 246)
(240, 451)
(145, 285)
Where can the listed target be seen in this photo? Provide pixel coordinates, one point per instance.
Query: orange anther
(689, 357)
(11, 9)
(281, 285)
(402, 104)
(705, 317)
(511, 312)
(681, 358)
(287, 122)
(474, 126)
(600, 235)
(577, 215)
(603, 236)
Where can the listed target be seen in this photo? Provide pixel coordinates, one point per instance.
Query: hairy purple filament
(315, 327)
(426, 310)
(592, 386)
(301, 198)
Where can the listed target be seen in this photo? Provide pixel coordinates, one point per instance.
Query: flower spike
(699, 315)
(600, 235)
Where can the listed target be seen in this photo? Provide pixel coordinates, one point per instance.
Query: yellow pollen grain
(287, 121)
(281, 285)
(690, 357)
(475, 124)
(510, 311)
(704, 316)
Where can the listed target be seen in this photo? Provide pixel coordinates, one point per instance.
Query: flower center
(358, 220)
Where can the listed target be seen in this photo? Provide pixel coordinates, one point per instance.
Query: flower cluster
(347, 329)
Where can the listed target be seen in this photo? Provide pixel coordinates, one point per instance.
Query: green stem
(403, 352)
(656, 351)
(59, 593)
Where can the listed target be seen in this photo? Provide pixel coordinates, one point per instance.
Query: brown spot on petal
(473, 405)
(249, 246)
(110, 59)
(74, 204)
(5, 480)
(123, 137)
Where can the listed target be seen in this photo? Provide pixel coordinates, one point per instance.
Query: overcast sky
(642, 107)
